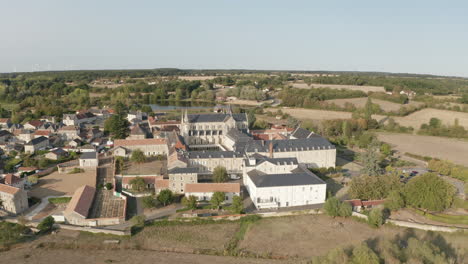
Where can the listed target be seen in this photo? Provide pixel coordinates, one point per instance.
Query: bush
(149, 202)
(217, 199)
(376, 217)
(394, 200)
(59, 200)
(190, 202)
(76, 170)
(46, 224)
(334, 207)
(138, 220)
(237, 206)
(430, 192)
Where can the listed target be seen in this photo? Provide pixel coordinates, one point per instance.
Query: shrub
(46, 224)
(76, 170)
(109, 186)
(237, 206)
(394, 200)
(138, 220)
(334, 207)
(217, 199)
(149, 202)
(190, 202)
(376, 217)
(138, 156)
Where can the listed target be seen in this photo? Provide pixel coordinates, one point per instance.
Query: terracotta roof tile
(8, 189)
(11, 179)
(212, 187)
(162, 184)
(81, 201)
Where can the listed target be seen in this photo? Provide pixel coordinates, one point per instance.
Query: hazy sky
(397, 36)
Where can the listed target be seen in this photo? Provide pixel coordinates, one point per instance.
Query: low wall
(93, 230)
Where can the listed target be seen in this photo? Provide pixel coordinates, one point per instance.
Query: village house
(180, 177)
(36, 144)
(14, 181)
(206, 161)
(5, 123)
(14, 200)
(77, 119)
(56, 154)
(149, 181)
(4, 135)
(33, 124)
(89, 159)
(149, 146)
(137, 133)
(68, 132)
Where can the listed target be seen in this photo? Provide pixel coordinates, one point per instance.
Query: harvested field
(63, 184)
(315, 235)
(244, 102)
(312, 114)
(366, 89)
(123, 256)
(361, 102)
(151, 167)
(423, 116)
(196, 78)
(187, 237)
(438, 147)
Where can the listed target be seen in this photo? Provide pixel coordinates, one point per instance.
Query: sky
(414, 36)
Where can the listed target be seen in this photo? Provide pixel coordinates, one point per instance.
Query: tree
(217, 199)
(370, 159)
(364, 255)
(149, 201)
(220, 174)
(368, 109)
(376, 217)
(117, 126)
(374, 187)
(386, 150)
(394, 200)
(138, 156)
(251, 117)
(237, 206)
(119, 163)
(190, 202)
(430, 192)
(46, 224)
(138, 184)
(33, 179)
(334, 207)
(165, 197)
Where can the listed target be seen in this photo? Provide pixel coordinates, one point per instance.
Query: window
(226, 198)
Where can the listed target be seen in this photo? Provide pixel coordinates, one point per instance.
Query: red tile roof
(162, 184)
(42, 133)
(81, 201)
(212, 187)
(139, 142)
(22, 169)
(11, 179)
(8, 189)
(36, 123)
(4, 120)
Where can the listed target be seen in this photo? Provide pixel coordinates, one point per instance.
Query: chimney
(270, 147)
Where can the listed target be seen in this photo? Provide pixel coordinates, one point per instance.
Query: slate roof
(88, 155)
(299, 176)
(213, 118)
(213, 154)
(277, 161)
(37, 140)
(302, 144)
(183, 170)
(301, 133)
(4, 133)
(237, 135)
(137, 130)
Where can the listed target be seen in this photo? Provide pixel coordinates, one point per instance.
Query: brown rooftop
(212, 187)
(137, 142)
(82, 200)
(8, 189)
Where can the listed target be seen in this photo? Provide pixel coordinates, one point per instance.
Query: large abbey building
(210, 129)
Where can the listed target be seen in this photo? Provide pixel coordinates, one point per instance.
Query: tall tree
(220, 174)
(217, 199)
(371, 159)
(430, 192)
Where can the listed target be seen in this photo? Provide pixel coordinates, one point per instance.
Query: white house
(282, 182)
(15, 200)
(204, 191)
(89, 159)
(149, 146)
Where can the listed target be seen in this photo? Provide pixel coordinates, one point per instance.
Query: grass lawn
(59, 200)
(445, 218)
